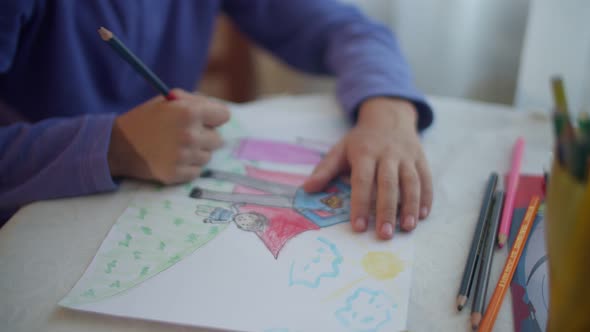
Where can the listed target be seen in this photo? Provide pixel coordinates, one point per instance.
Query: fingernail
(424, 212)
(360, 224)
(387, 230)
(410, 222)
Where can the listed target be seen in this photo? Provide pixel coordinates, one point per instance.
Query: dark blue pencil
(479, 298)
(473, 259)
(136, 63)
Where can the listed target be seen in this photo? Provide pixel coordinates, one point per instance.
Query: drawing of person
(325, 208)
(250, 221)
(214, 214)
(274, 226)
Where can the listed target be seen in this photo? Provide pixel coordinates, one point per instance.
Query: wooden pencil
(570, 151)
(560, 100)
(476, 243)
(491, 313)
(135, 62)
(487, 256)
(513, 178)
(559, 94)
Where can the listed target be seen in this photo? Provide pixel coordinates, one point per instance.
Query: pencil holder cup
(568, 249)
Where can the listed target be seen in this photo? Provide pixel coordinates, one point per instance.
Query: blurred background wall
(501, 51)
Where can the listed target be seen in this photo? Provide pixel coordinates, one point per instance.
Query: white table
(46, 246)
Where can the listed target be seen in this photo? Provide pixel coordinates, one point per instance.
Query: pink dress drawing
(283, 224)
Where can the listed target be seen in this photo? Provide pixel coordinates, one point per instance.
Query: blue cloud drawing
(366, 311)
(324, 264)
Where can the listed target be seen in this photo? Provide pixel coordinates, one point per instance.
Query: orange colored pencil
(489, 317)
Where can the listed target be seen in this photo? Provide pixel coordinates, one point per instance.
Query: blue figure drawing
(324, 264)
(366, 310)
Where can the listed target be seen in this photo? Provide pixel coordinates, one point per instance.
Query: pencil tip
(461, 300)
(501, 240)
(475, 320)
(105, 34)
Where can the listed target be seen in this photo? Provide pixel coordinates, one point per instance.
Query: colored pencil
(135, 62)
(565, 130)
(511, 191)
(559, 94)
(476, 243)
(487, 255)
(584, 124)
(491, 313)
(571, 149)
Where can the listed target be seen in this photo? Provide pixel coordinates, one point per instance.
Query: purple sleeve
(54, 158)
(13, 15)
(327, 37)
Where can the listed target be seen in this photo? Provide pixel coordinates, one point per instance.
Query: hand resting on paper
(166, 141)
(384, 156)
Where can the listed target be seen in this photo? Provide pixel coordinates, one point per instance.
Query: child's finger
(330, 167)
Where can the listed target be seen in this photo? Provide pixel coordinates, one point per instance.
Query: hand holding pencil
(166, 141)
(168, 138)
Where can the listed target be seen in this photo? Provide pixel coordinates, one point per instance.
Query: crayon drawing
(381, 267)
(378, 265)
(366, 310)
(272, 204)
(254, 149)
(243, 235)
(143, 242)
(325, 263)
(274, 226)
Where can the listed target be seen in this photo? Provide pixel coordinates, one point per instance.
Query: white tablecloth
(46, 246)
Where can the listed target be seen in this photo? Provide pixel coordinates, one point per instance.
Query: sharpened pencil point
(461, 300)
(501, 240)
(475, 320)
(105, 34)
(135, 62)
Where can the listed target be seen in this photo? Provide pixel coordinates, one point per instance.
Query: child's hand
(384, 155)
(166, 141)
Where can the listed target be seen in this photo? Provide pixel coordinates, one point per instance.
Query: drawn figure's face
(250, 222)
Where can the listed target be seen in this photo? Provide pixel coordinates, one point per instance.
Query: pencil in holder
(568, 250)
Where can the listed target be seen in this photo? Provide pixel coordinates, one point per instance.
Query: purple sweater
(64, 86)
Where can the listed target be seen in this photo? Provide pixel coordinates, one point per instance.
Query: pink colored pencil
(511, 191)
